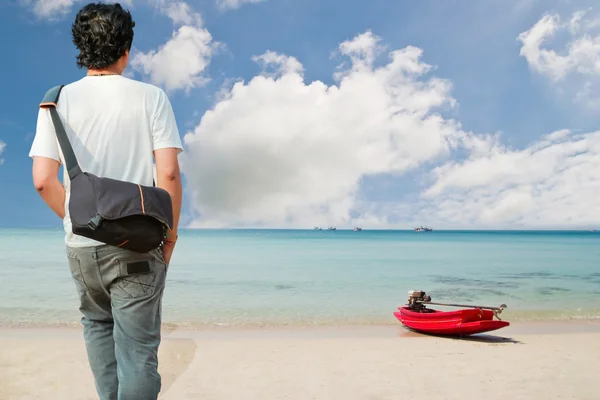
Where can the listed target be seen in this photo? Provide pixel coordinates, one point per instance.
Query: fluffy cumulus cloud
(578, 59)
(2, 147)
(553, 183)
(233, 4)
(279, 151)
(181, 62)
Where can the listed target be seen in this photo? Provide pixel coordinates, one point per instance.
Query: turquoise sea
(308, 277)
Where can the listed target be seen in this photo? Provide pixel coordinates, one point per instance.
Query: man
(117, 128)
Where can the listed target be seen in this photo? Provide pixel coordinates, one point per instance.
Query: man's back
(114, 124)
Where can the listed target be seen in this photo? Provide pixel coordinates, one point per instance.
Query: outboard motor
(416, 298)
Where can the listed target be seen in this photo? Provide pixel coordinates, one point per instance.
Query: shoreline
(547, 327)
(252, 321)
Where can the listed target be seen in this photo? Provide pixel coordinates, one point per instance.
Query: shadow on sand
(175, 357)
(480, 337)
(483, 338)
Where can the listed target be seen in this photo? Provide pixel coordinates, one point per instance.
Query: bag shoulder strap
(49, 102)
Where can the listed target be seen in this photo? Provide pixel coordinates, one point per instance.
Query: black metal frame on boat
(418, 298)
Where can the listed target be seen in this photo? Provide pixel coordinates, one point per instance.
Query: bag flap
(117, 199)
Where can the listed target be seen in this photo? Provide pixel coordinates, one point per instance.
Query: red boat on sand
(474, 319)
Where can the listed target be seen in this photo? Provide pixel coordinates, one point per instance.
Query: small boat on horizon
(357, 229)
(468, 321)
(423, 229)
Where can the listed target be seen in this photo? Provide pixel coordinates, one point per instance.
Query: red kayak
(468, 321)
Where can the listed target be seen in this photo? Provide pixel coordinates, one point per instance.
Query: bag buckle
(95, 222)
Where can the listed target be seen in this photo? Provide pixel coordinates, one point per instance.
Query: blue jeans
(120, 295)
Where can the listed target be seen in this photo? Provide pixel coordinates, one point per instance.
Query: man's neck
(107, 71)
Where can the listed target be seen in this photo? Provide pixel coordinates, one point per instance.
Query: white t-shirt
(113, 123)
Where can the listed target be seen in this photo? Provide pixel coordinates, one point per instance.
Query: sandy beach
(524, 361)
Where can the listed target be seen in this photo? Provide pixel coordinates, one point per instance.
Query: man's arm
(167, 146)
(168, 177)
(45, 155)
(46, 182)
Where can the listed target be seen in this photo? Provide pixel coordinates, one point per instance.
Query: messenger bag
(110, 211)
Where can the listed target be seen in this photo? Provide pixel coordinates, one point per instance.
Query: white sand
(347, 364)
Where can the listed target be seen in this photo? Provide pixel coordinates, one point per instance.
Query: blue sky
(493, 87)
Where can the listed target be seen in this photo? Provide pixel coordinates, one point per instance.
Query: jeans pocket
(76, 274)
(137, 277)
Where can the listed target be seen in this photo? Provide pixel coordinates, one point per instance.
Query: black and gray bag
(114, 212)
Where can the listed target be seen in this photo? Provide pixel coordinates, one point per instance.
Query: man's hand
(168, 252)
(169, 246)
(45, 180)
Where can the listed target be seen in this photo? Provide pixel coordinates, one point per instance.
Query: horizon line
(532, 229)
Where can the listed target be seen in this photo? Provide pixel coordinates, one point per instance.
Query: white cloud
(580, 58)
(276, 151)
(284, 64)
(542, 60)
(181, 62)
(181, 13)
(50, 9)
(233, 4)
(53, 9)
(2, 147)
(582, 53)
(362, 50)
(551, 183)
(575, 22)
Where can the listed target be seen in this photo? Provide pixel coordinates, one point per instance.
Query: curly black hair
(102, 33)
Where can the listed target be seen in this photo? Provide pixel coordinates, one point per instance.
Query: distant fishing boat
(357, 229)
(331, 228)
(318, 228)
(423, 229)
